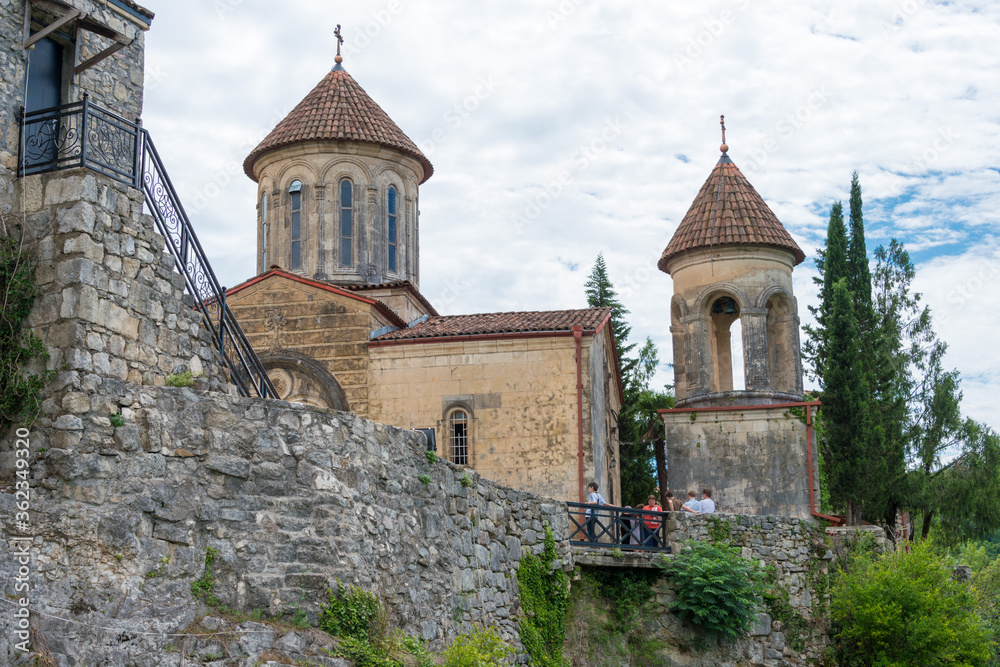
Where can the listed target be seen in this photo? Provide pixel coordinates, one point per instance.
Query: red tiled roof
(337, 109)
(501, 323)
(393, 285)
(728, 211)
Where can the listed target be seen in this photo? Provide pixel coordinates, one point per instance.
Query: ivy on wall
(544, 595)
(20, 388)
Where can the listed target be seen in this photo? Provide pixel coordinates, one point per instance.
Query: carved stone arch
(679, 339)
(346, 166)
(703, 302)
(771, 291)
(295, 169)
(458, 447)
(302, 379)
(784, 356)
(678, 303)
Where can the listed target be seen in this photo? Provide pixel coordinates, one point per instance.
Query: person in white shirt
(692, 505)
(707, 504)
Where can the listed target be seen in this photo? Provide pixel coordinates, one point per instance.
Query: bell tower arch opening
(727, 348)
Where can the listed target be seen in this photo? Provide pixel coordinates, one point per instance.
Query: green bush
(185, 379)
(986, 588)
(354, 613)
(903, 609)
(480, 648)
(544, 594)
(717, 590)
(626, 590)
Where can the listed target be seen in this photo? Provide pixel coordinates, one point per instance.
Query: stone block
(80, 187)
(78, 218)
(761, 626)
(84, 245)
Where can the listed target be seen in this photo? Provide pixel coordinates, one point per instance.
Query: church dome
(337, 109)
(728, 212)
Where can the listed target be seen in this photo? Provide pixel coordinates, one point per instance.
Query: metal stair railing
(84, 135)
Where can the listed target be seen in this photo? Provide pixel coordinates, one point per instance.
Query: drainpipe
(812, 477)
(578, 340)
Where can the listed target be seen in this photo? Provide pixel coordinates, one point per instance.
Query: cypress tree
(832, 265)
(851, 449)
(858, 274)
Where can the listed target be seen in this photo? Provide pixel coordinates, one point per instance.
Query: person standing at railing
(707, 504)
(692, 505)
(597, 499)
(651, 524)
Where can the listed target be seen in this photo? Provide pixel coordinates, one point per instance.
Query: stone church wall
(726, 450)
(520, 394)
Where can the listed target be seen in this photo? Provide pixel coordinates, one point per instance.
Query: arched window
(458, 437)
(295, 193)
(392, 228)
(263, 232)
(346, 223)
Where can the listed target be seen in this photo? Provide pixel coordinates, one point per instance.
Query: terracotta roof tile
(337, 109)
(728, 211)
(501, 323)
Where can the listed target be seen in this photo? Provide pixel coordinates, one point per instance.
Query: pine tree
(832, 265)
(601, 294)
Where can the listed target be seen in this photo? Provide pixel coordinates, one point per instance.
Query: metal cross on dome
(340, 40)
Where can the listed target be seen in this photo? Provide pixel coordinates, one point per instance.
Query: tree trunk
(853, 513)
(926, 528)
(659, 451)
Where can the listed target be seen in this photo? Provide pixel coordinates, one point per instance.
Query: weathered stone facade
(312, 337)
(111, 307)
(521, 399)
(754, 459)
(731, 261)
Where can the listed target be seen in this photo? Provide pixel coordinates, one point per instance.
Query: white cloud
(903, 92)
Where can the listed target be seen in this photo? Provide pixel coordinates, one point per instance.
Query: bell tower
(731, 260)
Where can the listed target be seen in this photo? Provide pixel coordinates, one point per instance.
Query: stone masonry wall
(111, 307)
(799, 554)
(292, 497)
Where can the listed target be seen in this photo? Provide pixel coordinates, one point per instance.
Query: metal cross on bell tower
(340, 40)
(722, 121)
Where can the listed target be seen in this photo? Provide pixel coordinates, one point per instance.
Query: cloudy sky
(563, 129)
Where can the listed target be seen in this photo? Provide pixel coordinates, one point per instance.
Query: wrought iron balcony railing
(84, 135)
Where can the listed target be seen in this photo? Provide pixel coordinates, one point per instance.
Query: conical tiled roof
(338, 109)
(728, 211)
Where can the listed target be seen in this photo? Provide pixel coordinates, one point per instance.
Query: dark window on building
(295, 192)
(392, 228)
(458, 435)
(346, 223)
(45, 75)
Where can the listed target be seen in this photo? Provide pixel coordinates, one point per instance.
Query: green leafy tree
(904, 609)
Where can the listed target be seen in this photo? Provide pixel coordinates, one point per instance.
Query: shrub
(185, 379)
(717, 590)
(480, 648)
(116, 419)
(354, 613)
(903, 608)
(424, 479)
(544, 594)
(465, 481)
(431, 456)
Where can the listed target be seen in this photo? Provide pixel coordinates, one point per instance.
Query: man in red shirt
(651, 524)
